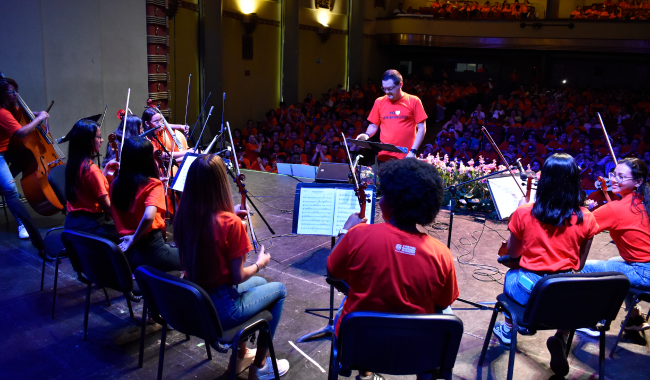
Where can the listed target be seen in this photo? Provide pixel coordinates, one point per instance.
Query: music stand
(376, 147)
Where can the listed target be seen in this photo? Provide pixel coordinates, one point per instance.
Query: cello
(38, 154)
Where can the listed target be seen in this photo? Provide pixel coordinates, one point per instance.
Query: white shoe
(266, 372)
(22, 232)
(246, 361)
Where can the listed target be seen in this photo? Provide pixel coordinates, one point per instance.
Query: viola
(603, 188)
(38, 154)
(113, 172)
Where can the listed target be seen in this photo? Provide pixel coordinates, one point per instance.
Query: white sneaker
(22, 232)
(246, 361)
(266, 372)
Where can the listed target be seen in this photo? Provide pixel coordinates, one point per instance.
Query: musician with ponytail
(628, 223)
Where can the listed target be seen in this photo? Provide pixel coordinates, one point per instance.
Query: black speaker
(329, 172)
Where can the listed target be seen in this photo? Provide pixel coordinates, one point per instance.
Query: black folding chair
(638, 296)
(54, 249)
(396, 344)
(99, 261)
(188, 308)
(564, 302)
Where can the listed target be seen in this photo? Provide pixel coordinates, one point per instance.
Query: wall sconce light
(324, 33)
(250, 22)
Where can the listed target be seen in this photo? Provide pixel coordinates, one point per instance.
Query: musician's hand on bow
(522, 201)
(164, 179)
(363, 137)
(42, 115)
(186, 129)
(126, 242)
(240, 213)
(353, 220)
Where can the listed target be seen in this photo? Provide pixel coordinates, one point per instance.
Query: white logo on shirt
(405, 249)
(396, 112)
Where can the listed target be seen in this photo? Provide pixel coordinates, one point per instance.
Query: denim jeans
(513, 287)
(236, 304)
(637, 273)
(18, 210)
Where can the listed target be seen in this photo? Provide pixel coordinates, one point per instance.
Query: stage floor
(35, 346)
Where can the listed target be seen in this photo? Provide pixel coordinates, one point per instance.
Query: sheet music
(506, 195)
(347, 203)
(179, 181)
(316, 211)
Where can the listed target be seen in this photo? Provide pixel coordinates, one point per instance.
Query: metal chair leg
(569, 342)
(43, 272)
(513, 349)
(142, 331)
(233, 357)
(207, 348)
(56, 280)
(87, 311)
(488, 336)
(274, 361)
(161, 357)
(108, 300)
(601, 356)
(128, 302)
(620, 333)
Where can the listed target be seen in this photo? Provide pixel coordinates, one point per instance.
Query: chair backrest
(99, 259)
(56, 179)
(572, 301)
(399, 344)
(181, 303)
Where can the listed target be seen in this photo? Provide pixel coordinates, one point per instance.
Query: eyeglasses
(617, 178)
(389, 89)
(11, 92)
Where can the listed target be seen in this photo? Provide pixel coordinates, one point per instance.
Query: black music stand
(376, 147)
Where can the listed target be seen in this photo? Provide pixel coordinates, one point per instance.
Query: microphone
(147, 132)
(228, 149)
(522, 172)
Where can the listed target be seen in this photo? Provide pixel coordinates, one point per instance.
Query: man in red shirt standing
(393, 267)
(400, 115)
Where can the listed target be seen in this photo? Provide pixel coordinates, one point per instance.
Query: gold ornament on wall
(328, 4)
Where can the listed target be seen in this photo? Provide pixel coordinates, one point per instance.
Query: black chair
(188, 308)
(54, 249)
(638, 296)
(564, 302)
(99, 261)
(396, 344)
(342, 287)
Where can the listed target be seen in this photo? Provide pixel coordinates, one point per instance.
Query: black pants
(151, 250)
(92, 223)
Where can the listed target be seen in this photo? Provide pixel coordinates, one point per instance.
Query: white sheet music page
(347, 203)
(316, 211)
(506, 195)
(179, 185)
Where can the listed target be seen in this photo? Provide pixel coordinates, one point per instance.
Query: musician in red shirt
(401, 117)
(86, 187)
(552, 235)
(393, 267)
(628, 223)
(10, 113)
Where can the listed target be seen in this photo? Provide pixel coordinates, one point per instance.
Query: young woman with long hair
(138, 205)
(86, 187)
(628, 223)
(133, 129)
(10, 113)
(551, 236)
(213, 244)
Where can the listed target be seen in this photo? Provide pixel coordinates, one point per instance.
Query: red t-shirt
(230, 243)
(92, 186)
(8, 126)
(390, 270)
(550, 248)
(488, 156)
(628, 227)
(150, 194)
(250, 153)
(398, 121)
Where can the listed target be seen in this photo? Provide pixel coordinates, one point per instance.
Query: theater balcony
(542, 34)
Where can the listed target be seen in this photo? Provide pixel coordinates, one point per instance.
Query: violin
(603, 187)
(112, 173)
(38, 154)
(359, 188)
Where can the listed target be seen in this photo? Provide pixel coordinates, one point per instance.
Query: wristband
(258, 268)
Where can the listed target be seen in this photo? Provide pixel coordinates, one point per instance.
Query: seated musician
(86, 188)
(373, 259)
(133, 129)
(628, 222)
(151, 118)
(10, 113)
(551, 236)
(138, 206)
(213, 244)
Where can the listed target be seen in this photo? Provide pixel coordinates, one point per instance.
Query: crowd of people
(474, 10)
(609, 10)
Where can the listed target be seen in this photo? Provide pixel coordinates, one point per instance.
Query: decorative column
(157, 55)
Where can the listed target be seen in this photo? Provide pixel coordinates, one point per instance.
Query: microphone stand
(452, 190)
(199, 118)
(203, 129)
(252, 204)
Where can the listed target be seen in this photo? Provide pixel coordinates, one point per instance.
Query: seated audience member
(559, 144)
(453, 125)
(472, 143)
(532, 141)
(488, 153)
(532, 123)
(627, 221)
(320, 155)
(212, 243)
(552, 235)
(463, 153)
(262, 164)
(338, 152)
(512, 154)
(416, 278)
(531, 154)
(510, 139)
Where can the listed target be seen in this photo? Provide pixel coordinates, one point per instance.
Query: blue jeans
(513, 287)
(12, 199)
(236, 304)
(637, 273)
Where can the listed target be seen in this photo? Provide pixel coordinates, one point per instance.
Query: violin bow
(609, 144)
(358, 189)
(242, 190)
(126, 114)
(187, 102)
(503, 159)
